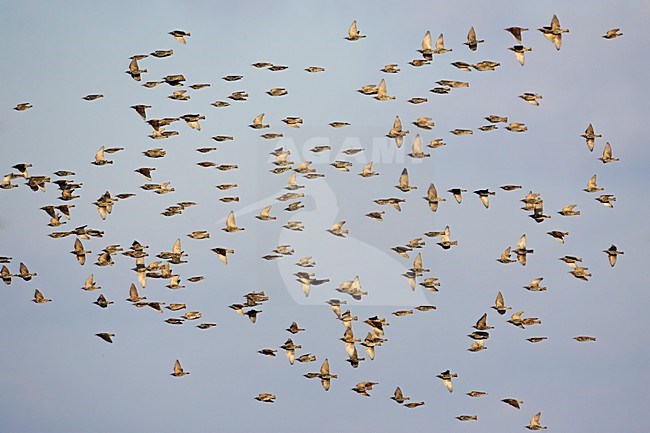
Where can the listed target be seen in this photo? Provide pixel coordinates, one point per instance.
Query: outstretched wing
(230, 221)
(325, 367)
(176, 248)
(404, 179)
(426, 41)
(555, 23)
(381, 89)
(258, 120)
(99, 156)
(522, 242)
(416, 147)
(352, 31)
(440, 42)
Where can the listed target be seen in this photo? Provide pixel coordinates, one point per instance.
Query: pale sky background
(56, 376)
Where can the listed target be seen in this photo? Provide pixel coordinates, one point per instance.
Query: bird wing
(522, 242)
(534, 421)
(370, 350)
(607, 151)
(356, 284)
(592, 182)
(410, 278)
(221, 253)
(325, 367)
(141, 111)
(499, 301)
(516, 33)
(351, 350)
(281, 158)
(612, 259)
(301, 166)
(99, 156)
(78, 246)
(397, 124)
(230, 221)
(48, 209)
(367, 169)
(265, 211)
(471, 36)
(404, 179)
(305, 286)
(520, 56)
(258, 120)
(521, 258)
(352, 31)
(142, 278)
(291, 355)
(292, 179)
(326, 384)
(557, 40)
(426, 41)
(133, 292)
(417, 263)
(555, 23)
(416, 147)
(444, 236)
(194, 124)
(381, 88)
(176, 248)
(440, 42)
(133, 66)
(432, 193)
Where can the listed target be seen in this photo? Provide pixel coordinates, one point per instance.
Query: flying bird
(381, 92)
(106, 336)
(472, 41)
(500, 306)
(180, 35)
(446, 377)
(178, 370)
(554, 32)
(516, 33)
(534, 422)
(612, 33)
(590, 137)
(612, 253)
(353, 33)
(39, 298)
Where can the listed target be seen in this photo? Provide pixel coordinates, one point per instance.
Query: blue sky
(59, 377)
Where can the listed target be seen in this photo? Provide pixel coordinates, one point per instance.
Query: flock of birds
(164, 267)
